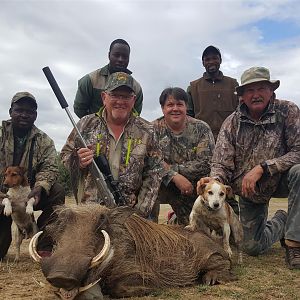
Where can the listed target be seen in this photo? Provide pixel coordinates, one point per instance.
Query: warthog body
(143, 255)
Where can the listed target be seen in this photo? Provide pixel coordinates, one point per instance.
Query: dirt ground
(264, 277)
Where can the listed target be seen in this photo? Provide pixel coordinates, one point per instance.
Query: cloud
(166, 38)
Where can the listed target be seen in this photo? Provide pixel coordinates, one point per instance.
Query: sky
(166, 37)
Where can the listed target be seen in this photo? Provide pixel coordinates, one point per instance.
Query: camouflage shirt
(44, 165)
(244, 143)
(140, 170)
(188, 153)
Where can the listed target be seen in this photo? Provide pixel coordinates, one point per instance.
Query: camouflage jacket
(88, 97)
(141, 167)
(44, 164)
(189, 153)
(244, 143)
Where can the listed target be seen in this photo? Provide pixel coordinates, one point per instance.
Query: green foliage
(64, 176)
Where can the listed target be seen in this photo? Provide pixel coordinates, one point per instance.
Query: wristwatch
(265, 168)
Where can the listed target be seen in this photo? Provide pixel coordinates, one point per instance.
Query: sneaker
(171, 218)
(292, 257)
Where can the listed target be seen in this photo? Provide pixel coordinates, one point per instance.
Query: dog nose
(216, 205)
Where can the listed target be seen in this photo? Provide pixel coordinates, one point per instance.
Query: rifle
(113, 184)
(98, 177)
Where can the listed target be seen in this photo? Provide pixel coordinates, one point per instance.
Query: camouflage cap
(20, 95)
(256, 74)
(118, 79)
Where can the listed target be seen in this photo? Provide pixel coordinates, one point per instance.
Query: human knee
(294, 173)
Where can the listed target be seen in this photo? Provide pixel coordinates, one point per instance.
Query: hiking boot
(292, 257)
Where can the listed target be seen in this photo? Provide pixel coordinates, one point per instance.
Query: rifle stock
(98, 177)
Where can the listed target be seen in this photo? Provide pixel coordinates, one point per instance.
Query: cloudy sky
(167, 38)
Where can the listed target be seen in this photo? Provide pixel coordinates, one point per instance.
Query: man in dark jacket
(211, 97)
(23, 144)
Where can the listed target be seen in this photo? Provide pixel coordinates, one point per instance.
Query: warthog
(126, 254)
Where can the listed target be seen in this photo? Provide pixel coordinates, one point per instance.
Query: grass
(265, 277)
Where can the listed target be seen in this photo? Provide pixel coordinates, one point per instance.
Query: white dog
(18, 206)
(212, 214)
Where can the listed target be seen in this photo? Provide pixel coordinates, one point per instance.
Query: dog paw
(29, 209)
(190, 227)
(210, 278)
(229, 251)
(7, 208)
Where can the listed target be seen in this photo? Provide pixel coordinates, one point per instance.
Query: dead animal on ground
(213, 215)
(125, 255)
(18, 206)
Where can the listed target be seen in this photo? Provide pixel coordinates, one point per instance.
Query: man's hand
(85, 156)
(249, 181)
(36, 194)
(167, 167)
(183, 184)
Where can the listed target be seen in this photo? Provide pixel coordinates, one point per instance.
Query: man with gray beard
(258, 154)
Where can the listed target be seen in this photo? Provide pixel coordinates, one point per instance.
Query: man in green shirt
(88, 98)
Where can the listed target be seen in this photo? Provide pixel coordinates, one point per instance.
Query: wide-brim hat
(256, 74)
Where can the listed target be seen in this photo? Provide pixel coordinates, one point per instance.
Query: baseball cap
(20, 95)
(118, 79)
(256, 74)
(211, 49)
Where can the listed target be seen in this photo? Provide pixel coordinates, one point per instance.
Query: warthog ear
(229, 192)
(65, 216)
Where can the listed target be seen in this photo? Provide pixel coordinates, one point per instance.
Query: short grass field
(264, 278)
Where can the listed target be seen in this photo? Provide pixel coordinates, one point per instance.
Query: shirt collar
(208, 77)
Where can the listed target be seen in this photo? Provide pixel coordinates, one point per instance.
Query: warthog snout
(67, 274)
(61, 281)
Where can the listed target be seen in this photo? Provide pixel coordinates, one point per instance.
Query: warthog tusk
(71, 294)
(84, 288)
(103, 253)
(32, 247)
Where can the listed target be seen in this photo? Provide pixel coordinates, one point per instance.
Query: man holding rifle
(128, 143)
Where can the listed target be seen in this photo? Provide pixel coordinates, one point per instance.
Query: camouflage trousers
(181, 205)
(259, 233)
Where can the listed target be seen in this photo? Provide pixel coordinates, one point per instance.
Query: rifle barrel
(108, 197)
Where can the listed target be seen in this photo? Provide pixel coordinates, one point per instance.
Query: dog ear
(22, 171)
(200, 188)
(229, 192)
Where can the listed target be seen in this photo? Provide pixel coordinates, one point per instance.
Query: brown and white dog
(212, 214)
(18, 206)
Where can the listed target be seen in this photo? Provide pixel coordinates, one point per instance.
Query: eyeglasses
(116, 97)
